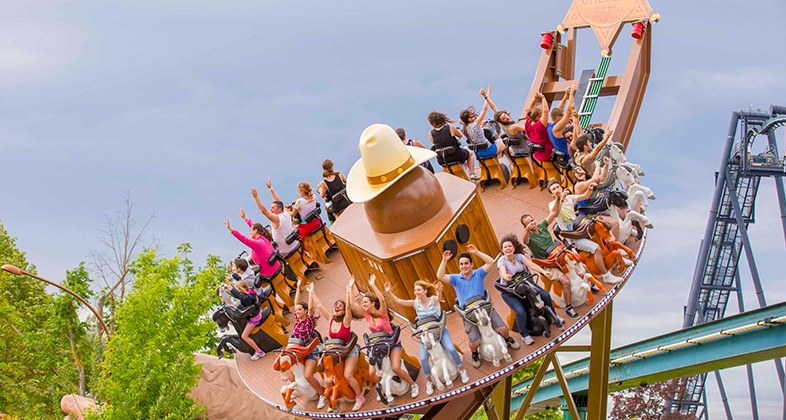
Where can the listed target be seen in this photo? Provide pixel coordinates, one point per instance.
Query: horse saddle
(580, 229)
(300, 348)
(597, 204)
(382, 339)
(554, 252)
(246, 312)
(428, 323)
(341, 347)
(519, 285)
(472, 305)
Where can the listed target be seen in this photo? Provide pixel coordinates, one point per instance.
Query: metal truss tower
(726, 238)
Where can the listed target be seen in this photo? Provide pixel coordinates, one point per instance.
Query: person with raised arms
(426, 303)
(469, 284)
(339, 327)
(375, 310)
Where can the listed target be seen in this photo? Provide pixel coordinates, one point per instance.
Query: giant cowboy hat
(384, 159)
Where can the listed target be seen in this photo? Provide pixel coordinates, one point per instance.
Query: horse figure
(291, 359)
(615, 152)
(429, 331)
(478, 311)
(569, 262)
(539, 316)
(628, 220)
(331, 364)
(638, 194)
(239, 318)
(600, 232)
(378, 346)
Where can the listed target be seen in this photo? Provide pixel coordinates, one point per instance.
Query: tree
(81, 344)
(34, 372)
(149, 367)
(645, 402)
(113, 264)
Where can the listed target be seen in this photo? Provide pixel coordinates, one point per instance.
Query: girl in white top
(426, 303)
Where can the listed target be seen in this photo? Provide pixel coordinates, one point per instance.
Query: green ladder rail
(590, 99)
(750, 337)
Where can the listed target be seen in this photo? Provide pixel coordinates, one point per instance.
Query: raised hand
(310, 288)
(243, 214)
(483, 93)
(228, 225)
(447, 255)
(439, 286)
(351, 282)
(388, 287)
(268, 184)
(254, 192)
(372, 279)
(472, 248)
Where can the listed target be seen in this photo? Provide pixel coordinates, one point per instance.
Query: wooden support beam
(574, 412)
(533, 388)
(632, 87)
(497, 405)
(600, 360)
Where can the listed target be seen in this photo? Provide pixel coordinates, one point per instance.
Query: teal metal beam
(733, 341)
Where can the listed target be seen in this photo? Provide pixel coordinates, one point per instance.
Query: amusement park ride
(384, 234)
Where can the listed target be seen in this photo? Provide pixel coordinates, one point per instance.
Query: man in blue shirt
(469, 284)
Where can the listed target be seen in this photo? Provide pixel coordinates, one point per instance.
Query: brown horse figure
(569, 263)
(331, 364)
(292, 358)
(600, 233)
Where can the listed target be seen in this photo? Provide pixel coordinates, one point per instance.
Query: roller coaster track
(726, 239)
(737, 340)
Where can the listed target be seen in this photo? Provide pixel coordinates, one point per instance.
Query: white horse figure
(443, 368)
(579, 277)
(616, 153)
(379, 346)
(625, 217)
(285, 363)
(638, 194)
(492, 345)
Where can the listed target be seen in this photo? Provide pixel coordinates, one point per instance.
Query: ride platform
(504, 207)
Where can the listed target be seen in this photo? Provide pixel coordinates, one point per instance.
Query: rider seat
(522, 164)
(341, 347)
(564, 166)
(300, 262)
(490, 168)
(320, 239)
(454, 168)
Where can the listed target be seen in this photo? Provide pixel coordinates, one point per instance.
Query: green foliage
(35, 358)
(149, 369)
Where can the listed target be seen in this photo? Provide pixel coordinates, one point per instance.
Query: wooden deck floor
(505, 208)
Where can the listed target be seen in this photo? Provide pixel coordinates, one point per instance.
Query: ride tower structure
(717, 276)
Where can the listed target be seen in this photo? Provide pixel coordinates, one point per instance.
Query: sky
(185, 105)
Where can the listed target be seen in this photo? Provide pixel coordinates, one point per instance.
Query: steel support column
(698, 274)
(600, 360)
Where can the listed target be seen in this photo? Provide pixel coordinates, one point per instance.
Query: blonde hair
(241, 287)
(304, 188)
(430, 288)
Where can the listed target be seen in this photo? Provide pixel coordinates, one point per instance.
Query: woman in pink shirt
(259, 240)
(376, 312)
(537, 119)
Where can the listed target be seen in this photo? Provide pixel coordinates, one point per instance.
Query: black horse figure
(239, 318)
(378, 346)
(539, 315)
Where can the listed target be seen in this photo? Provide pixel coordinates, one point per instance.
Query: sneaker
(322, 402)
(359, 401)
(415, 391)
(429, 388)
(512, 343)
(571, 313)
(464, 376)
(258, 355)
(528, 340)
(474, 177)
(475, 359)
